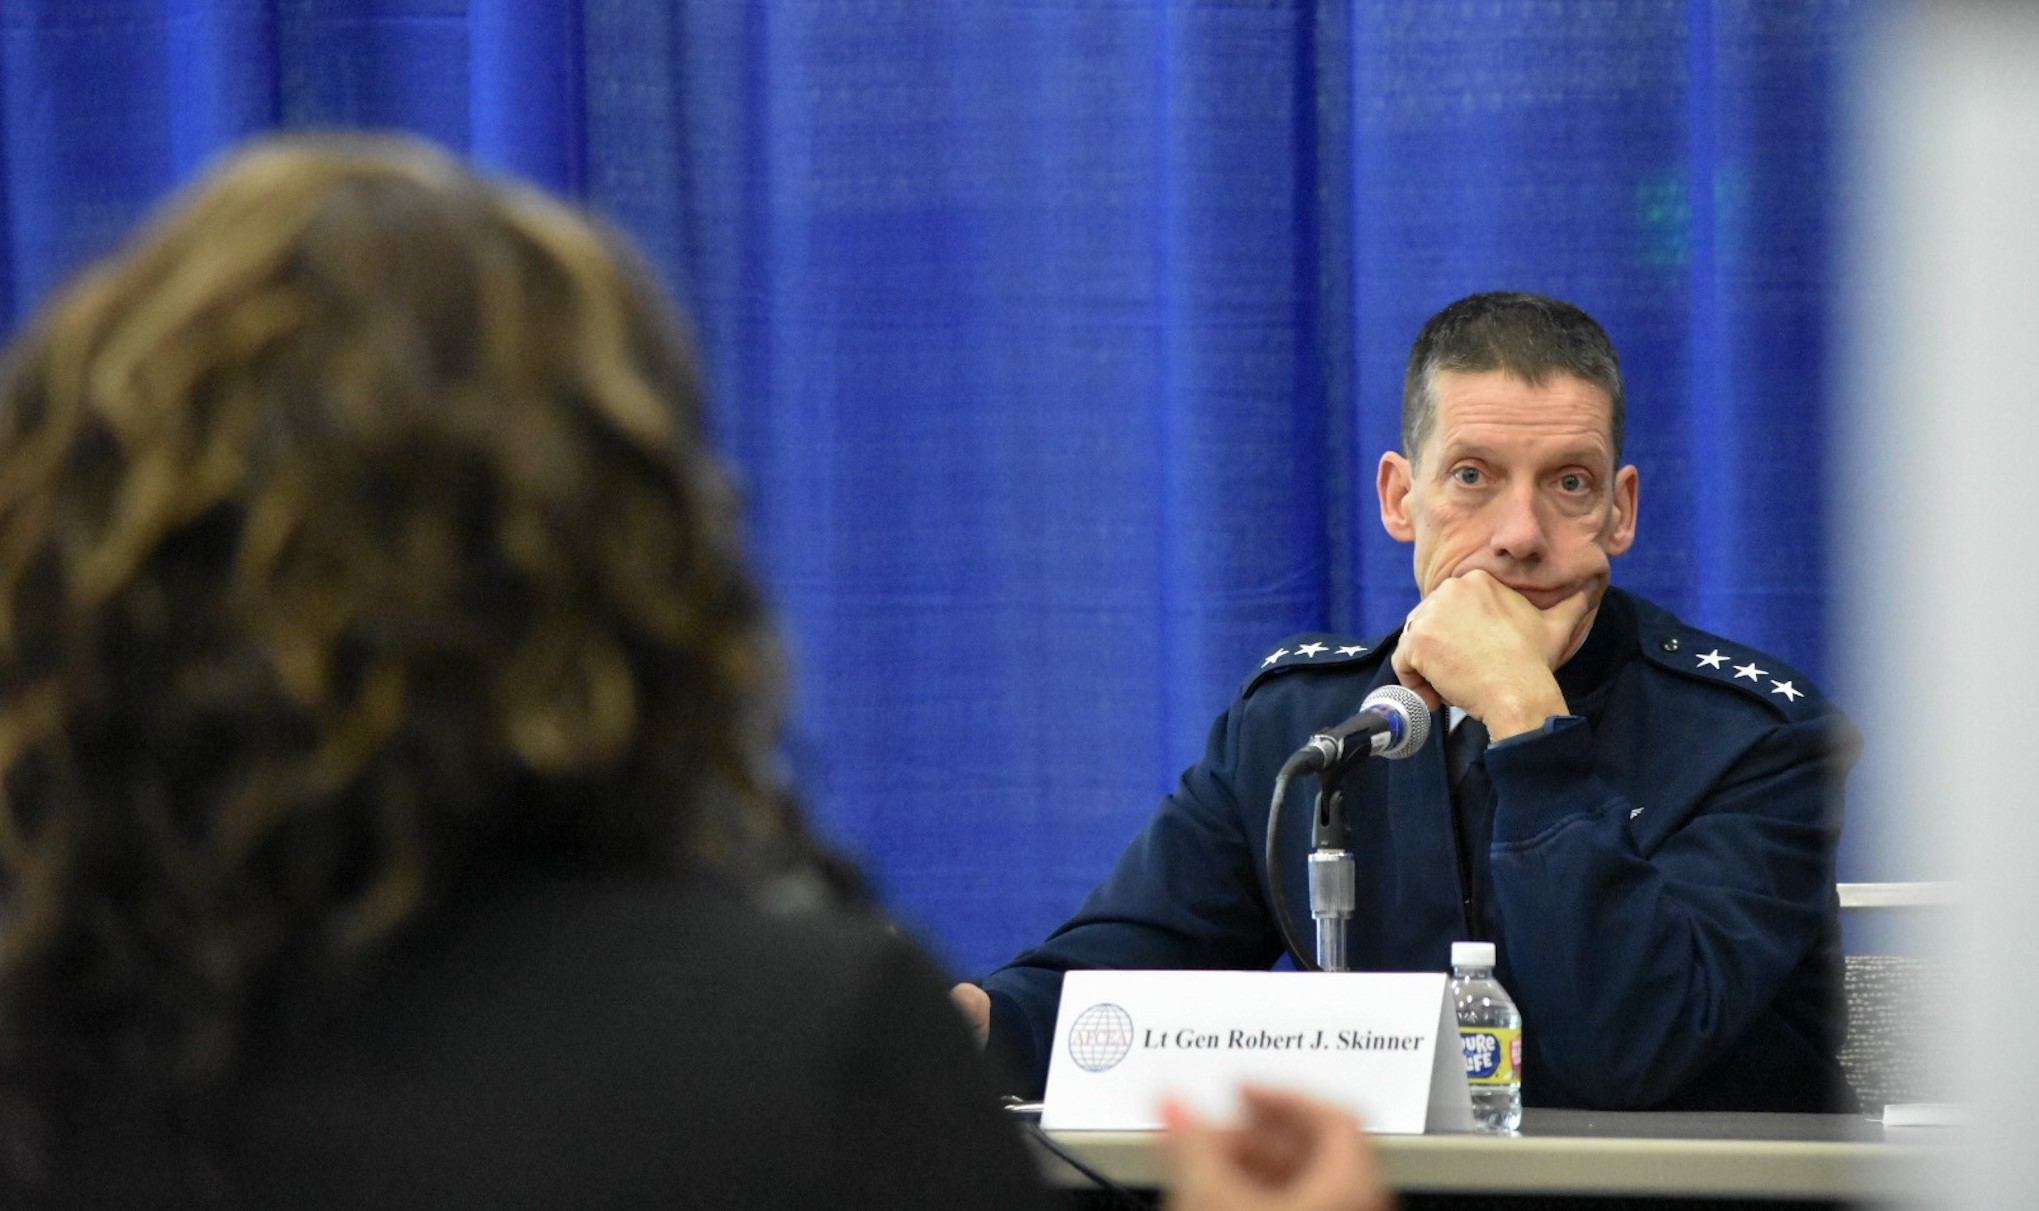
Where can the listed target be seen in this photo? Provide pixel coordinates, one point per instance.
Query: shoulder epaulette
(1312, 650)
(1690, 652)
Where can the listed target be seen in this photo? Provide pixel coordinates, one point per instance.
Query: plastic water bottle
(1490, 1030)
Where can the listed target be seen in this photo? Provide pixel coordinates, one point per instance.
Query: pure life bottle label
(1493, 1055)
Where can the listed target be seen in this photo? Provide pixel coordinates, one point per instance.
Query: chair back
(1899, 1046)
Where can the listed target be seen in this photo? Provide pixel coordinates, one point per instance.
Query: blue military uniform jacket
(1657, 875)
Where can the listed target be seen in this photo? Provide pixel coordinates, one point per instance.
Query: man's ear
(1627, 485)
(1397, 477)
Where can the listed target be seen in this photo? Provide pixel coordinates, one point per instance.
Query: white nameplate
(1364, 1040)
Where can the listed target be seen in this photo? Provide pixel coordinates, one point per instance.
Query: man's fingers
(1405, 672)
(1564, 621)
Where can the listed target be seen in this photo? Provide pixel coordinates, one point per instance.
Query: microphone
(1393, 722)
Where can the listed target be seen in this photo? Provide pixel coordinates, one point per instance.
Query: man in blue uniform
(1647, 816)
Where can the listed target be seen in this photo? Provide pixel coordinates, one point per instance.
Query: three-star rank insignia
(1310, 651)
(1713, 659)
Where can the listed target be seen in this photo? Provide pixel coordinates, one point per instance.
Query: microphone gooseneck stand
(1393, 723)
(1334, 877)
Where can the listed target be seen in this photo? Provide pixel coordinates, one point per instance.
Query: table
(1808, 1158)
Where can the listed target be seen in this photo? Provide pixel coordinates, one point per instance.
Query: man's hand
(975, 1005)
(1291, 1153)
(1480, 645)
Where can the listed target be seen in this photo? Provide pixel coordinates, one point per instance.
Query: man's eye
(1572, 483)
(1469, 476)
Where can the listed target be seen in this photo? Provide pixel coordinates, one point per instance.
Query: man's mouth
(1543, 598)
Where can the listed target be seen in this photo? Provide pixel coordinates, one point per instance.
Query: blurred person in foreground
(388, 730)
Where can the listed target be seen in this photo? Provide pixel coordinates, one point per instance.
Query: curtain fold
(1055, 344)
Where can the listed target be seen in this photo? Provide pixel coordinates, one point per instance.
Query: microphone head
(1406, 705)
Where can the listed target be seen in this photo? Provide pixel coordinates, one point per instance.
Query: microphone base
(1333, 893)
(1331, 944)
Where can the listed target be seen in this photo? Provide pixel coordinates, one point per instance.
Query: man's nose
(1519, 524)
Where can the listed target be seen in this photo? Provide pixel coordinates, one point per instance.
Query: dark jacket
(1658, 872)
(610, 1043)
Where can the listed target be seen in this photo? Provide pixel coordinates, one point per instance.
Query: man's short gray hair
(1529, 336)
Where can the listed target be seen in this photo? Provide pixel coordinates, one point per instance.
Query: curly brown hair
(357, 528)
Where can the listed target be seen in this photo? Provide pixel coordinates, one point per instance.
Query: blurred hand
(975, 1005)
(1289, 1153)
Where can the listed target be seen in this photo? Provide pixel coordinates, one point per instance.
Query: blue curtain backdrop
(1056, 342)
